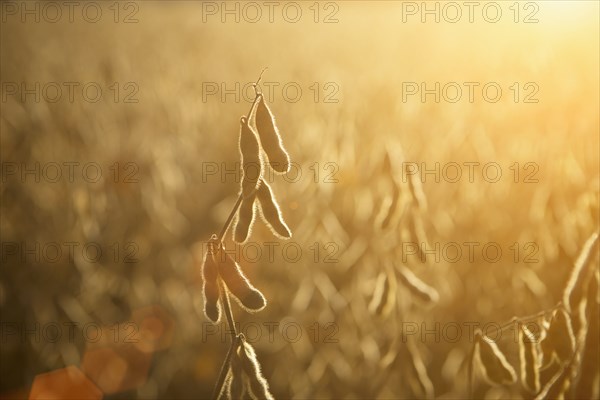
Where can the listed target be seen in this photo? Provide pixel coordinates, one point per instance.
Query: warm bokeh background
(170, 134)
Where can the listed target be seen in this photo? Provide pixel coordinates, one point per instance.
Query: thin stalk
(224, 299)
(225, 369)
(230, 218)
(228, 313)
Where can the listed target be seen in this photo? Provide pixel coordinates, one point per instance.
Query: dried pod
(417, 234)
(587, 385)
(270, 211)
(416, 286)
(279, 160)
(497, 369)
(237, 382)
(559, 341)
(251, 161)
(259, 387)
(581, 273)
(247, 295)
(419, 370)
(384, 294)
(210, 287)
(416, 189)
(393, 206)
(245, 219)
(529, 359)
(557, 386)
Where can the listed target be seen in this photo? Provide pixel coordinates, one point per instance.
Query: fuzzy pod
(247, 295)
(236, 387)
(245, 219)
(559, 341)
(494, 363)
(251, 160)
(259, 387)
(210, 286)
(529, 360)
(270, 211)
(270, 139)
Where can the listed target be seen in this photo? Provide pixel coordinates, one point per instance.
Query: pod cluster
(220, 271)
(262, 138)
(245, 377)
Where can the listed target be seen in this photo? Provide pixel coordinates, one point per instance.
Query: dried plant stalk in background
(494, 363)
(529, 359)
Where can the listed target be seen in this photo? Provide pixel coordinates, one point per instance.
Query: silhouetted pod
(270, 138)
(258, 384)
(245, 219)
(210, 287)
(251, 162)
(247, 295)
(497, 369)
(236, 386)
(270, 211)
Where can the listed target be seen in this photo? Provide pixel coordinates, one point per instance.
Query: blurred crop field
(119, 147)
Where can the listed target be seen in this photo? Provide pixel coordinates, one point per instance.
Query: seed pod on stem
(245, 219)
(259, 387)
(279, 160)
(247, 295)
(237, 382)
(270, 211)
(210, 286)
(251, 161)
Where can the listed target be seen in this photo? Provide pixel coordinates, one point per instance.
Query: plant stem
(234, 340)
(224, 299)
(225, 369)
(228, 313)
(230, 218)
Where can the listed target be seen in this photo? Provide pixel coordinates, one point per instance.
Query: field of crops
(442, 198)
